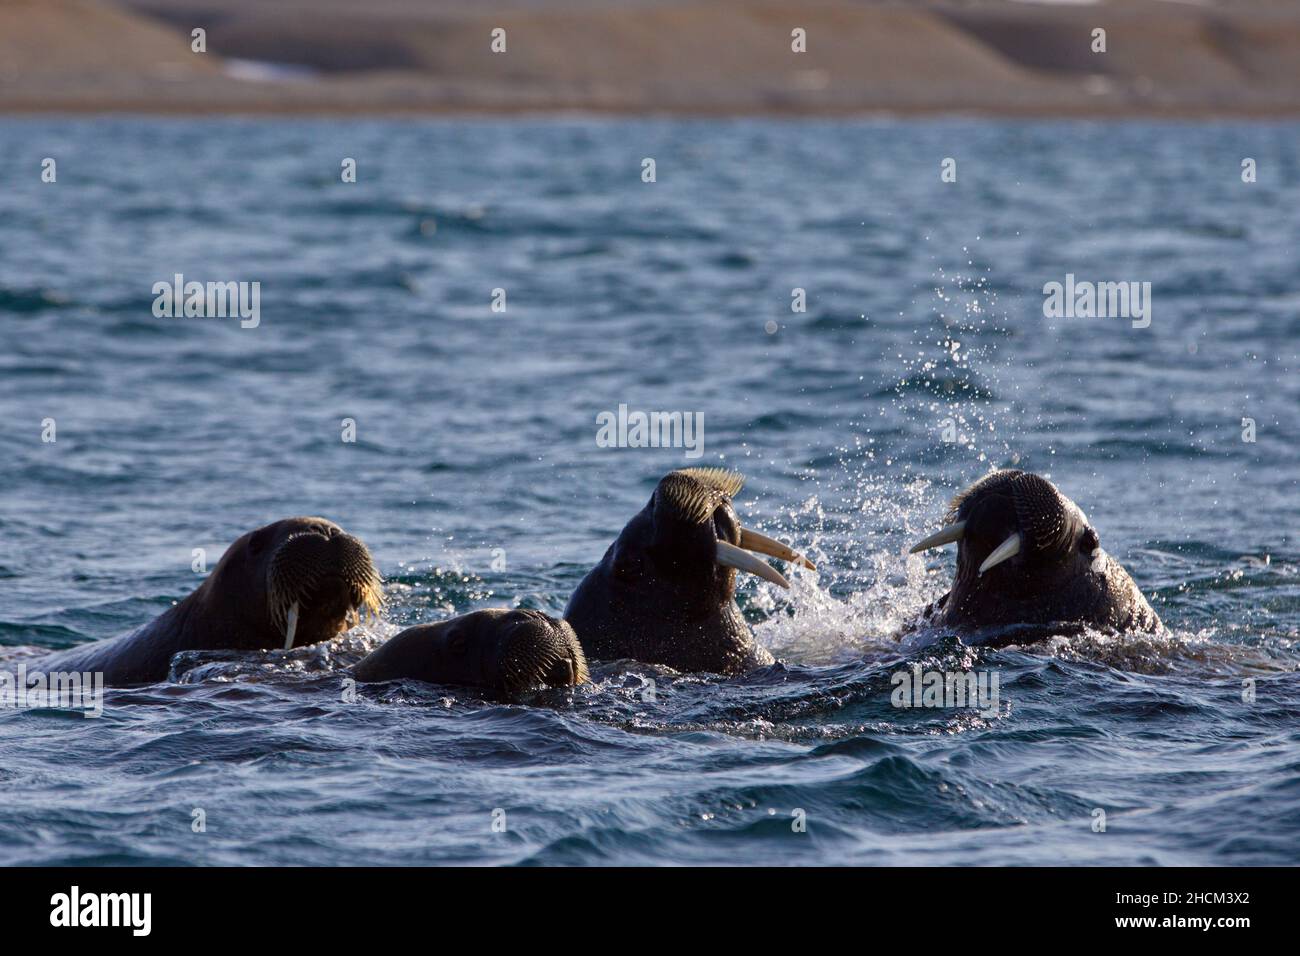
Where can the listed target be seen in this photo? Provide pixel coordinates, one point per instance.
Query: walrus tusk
(291, 627)
(754, 541)
(951, 533)
(733, 557)
(1007, 549)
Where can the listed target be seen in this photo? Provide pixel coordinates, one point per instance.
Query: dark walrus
(296, 581)
(664, 593)
(305, 580)
(506, 651)
(1030, 565)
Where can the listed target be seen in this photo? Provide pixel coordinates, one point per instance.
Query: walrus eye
(1089, 542)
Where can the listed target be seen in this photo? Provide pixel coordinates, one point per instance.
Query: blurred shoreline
(728, 57)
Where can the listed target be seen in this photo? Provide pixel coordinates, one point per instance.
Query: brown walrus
(1029, 565)
(293, 582)
(506, 651)
(305, 580)
(664, 593)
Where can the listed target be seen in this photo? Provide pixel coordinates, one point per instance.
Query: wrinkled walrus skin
(1029, 563)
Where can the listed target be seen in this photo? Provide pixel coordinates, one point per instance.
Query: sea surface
(923, 359)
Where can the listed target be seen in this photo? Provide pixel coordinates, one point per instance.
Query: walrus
(664, 593)
(1029, 564)
(305, 580)
(293, 582)
(507, 651)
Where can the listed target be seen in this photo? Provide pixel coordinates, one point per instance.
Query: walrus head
(664, 592)
(294, 582)
(1026, 554)
(689, 532)
(508, 651)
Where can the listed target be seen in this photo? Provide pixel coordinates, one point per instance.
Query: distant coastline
(727, 57)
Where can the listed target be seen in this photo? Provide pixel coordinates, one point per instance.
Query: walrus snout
(694, 524)
(319, 579)
(538, 650)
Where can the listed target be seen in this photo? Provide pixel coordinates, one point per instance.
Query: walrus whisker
(752, 540)
(292, 626)
(1007, 549)
(722, 480)
(372, 595)
(733, 557)
(695, 502)
(696, 492)
(945, 535)
(580, 673)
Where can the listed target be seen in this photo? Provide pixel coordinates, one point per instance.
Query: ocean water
(923, 360)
